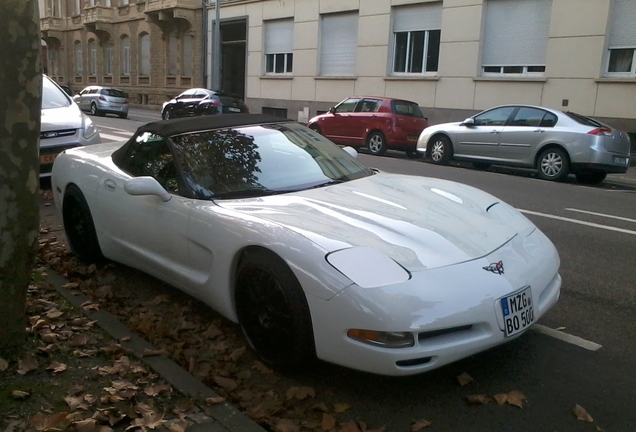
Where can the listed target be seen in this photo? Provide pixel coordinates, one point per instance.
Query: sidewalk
(225, 417)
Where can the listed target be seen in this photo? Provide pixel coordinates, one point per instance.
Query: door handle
(539, 130)
(494, 131)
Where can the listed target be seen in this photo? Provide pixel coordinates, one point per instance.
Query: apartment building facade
(150, 48)
(296, 58)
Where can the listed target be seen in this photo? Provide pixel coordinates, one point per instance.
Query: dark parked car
(100, 101)
(378, 123)
(200, 101)
(556, 143)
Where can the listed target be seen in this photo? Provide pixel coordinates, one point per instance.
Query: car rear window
(114, 93)
(229, 100)
(581, 119)
(407, 109)
(52, 96)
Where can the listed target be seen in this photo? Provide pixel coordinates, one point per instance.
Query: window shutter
(623, 26)
(279, 37)
(516, 32)
(338, 44)
(418, 17)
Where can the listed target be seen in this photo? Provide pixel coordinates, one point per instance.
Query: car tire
(590, 177)
(79, 226)
(94, 110)
(273, 311)
(553, 164)
(166, 114)
(123, 116)
(315, 128)
(481, 165)
(413, 154)
(440, 149)
(376, 143)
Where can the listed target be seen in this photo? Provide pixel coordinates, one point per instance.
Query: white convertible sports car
(311, 252)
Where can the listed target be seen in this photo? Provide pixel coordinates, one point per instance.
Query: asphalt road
(594, 229)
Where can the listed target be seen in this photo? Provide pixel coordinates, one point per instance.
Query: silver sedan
(555, 143)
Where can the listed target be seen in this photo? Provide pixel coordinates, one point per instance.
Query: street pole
(216, 48)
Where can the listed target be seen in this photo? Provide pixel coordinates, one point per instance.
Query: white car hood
(418, 222)
(69, 117)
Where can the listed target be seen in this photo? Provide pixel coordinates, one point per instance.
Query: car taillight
(601, 131)
(102, 98)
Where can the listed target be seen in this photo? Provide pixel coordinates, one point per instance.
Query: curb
(225, 418)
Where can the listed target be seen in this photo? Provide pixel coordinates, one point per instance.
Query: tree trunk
(20, 105)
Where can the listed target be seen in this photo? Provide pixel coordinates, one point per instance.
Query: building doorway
(233, 53)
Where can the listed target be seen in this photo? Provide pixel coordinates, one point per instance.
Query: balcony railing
(52, 23)
(97, 14)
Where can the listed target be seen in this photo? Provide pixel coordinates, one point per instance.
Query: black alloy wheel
(79, 226)
(273, 312)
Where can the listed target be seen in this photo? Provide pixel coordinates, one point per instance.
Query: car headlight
(383, 339)
(89, 128)
(368, 267)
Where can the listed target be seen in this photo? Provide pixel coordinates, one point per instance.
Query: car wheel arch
(567, 163)
(369, 133)
(549, 146)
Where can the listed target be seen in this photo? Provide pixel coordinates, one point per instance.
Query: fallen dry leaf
(20, 395)
(341, 407)
(56, 367)
(78, 340)
(286, 425)
(227, 383)
(351, 426)
(148, 352)
(328, 422)
(149, 420)
(478, 399)
(214, 400)
(45, 423)
(3, 364)
(419, 425)
(582, 414)
(464, 379)
(516, 398)
(560, 328)
(300, 393)
(320, 407)
(236, 354)
(88, 305)
(27, 364)
(501, 398)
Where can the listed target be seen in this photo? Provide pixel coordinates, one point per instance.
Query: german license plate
(47, 159)
(619, 160)
(518, 313)
(232, 109)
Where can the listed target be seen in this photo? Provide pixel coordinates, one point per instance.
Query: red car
(378, 123)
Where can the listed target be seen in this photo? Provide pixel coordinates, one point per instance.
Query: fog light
(383, 339)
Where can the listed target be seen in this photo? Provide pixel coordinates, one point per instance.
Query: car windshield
(407, 109)
(52, 95)
(262, 160)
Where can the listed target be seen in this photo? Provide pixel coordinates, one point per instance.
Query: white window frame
(339, 44)
(515, 37)
(125, 56)
(144, 55)
(79, 59)
(279, 47)
(410, 21)
(623, 14)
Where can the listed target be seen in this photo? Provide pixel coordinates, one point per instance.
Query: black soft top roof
(202, 123)
(180, 126)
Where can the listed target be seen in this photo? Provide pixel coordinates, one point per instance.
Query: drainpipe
(205, 27)
(216, 49)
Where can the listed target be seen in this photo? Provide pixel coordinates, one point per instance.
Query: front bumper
(453, 312)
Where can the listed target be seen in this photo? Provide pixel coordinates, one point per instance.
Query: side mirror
(146, 186)
(468, 122)
(332, 110)
(351, 151)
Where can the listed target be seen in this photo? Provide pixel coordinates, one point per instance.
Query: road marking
(602, 215)
(580, 222)
(566, 337)
(109, 137)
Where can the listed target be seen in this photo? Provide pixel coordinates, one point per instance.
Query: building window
(92, 57)
(279, 41)
(186, 60)
(416, 38)
(621, 58)
(338, 44)
(125, 56)
(108, 59)
(79, 59)
(516, 37)
(144, 55)
(276, 112)
(52, 56)
(172, 53)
